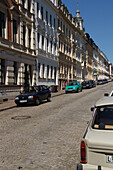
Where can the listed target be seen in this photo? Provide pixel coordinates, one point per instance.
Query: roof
(106, 101)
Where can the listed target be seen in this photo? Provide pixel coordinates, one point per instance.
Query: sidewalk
(11, 104)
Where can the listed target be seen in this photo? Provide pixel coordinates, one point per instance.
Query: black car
(33, 94)
(93, 83)
(86, 84)
(100, 82)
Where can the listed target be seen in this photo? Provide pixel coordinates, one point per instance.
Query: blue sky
(98, 21)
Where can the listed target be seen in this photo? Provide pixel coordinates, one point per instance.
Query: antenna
(77, 4)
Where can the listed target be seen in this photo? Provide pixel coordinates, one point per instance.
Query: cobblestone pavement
(47, 137)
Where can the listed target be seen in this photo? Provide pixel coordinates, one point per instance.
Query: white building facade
(46, 42)
(17, 52)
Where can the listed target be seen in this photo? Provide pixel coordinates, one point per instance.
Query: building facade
(46, 42)
(72, 46)
(42, 43)
(17, 52)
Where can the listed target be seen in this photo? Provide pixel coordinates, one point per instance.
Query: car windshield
(30, 89)
(72, 83)
(103, 118)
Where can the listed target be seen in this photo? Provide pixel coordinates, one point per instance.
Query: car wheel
(49, 99)
(37, 102)
(77, 90)
(81, 90)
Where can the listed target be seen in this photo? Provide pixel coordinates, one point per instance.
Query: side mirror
(92, 109)
(106, 94)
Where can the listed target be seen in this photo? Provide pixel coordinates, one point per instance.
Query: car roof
(106, 101)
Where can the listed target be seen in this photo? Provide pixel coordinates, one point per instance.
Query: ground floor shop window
(15, 73)
(3, 71)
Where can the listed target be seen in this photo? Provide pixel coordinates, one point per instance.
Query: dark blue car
(33, 94)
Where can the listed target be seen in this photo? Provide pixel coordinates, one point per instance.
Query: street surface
(47, 137)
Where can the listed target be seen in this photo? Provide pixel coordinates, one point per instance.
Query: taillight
(83, 152)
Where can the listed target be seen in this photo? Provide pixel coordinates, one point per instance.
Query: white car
(97, 143)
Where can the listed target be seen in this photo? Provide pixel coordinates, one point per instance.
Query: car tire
(77, 90)
(37, 102)
(49, 99)
(81, 90)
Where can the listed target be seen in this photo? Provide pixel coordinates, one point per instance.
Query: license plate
(23, 101)
(109, 159)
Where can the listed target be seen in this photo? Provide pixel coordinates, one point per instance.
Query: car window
(44, 88)
(31, 89)
(72, 84)
(103, 118)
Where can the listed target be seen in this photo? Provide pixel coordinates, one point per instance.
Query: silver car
(97, 143)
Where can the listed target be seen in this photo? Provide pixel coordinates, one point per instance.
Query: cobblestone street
(47, 137)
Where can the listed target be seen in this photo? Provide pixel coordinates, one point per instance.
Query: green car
(73, 86)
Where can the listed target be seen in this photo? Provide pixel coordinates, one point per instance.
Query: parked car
(93, 83)
(73, 86)
(33, 94)
(105, 81)
(97, 142)
(100, 82)
(86, 84)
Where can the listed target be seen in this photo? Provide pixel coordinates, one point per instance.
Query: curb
(11, 107)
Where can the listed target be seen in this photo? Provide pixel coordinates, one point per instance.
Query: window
(2, 25)
(14, 30)
(51, 72)
(43, 70)
(38, 70)
(47, 71)
(55, 74)
(38, 39)
(24, 32)
(64, 48)
(37, 9)
(51, 20)
(64, 28)
(103, 118)
(41, 12)
(29, 37)
(15, 73)
(47, 44)
(61, 25)
(3, 74)
(23, 3)
(59, 43)
(54, 23)
(29, 5)
(55, 47)
(47, 17)
(42, 42)
(51, 46)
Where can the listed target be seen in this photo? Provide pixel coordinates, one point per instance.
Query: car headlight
(16, 98)
(30, 97)
(74, 87)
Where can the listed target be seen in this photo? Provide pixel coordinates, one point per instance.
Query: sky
(97, 18)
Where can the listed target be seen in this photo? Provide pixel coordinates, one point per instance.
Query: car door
(40, 93)
(78, 83)
(45, 92)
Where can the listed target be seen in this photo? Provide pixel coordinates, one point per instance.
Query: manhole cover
(21, 117)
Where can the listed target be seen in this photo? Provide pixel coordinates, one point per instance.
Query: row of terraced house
(42, 43)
